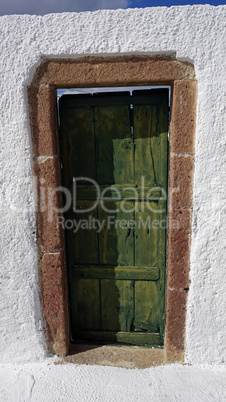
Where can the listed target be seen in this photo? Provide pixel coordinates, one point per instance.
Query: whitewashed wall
(196, 34)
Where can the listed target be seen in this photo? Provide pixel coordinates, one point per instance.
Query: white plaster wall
(192, 33)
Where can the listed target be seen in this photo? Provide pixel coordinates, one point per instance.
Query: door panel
(116, 250)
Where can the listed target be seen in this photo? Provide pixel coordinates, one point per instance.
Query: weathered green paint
(111, 192)
(146, 237)
(114, 146)
(116, 274)
(146, 306)
(110, 272)
(147, 150)
(133, 338)
(116, 244)
(85, 238)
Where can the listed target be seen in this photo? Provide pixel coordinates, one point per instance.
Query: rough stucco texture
(195, 34)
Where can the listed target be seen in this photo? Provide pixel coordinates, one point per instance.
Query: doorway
(114, 153)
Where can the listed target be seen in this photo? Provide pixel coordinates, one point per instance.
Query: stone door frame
(100, 72)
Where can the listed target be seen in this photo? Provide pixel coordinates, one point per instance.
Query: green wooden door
(116, 246)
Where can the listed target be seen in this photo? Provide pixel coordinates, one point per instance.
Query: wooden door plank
(85, 305)
(120, 273)
(146, 306)
(109, 305)
(118, 192)
(162, 266)
(126, 304)
(85, 237)
(163, 122)
(146, 234)
(116, 240)
(117, 305)
(163, 128)
(88, 304)
(78, 149)
(130, 338)
(114, 145)
(146, 137)
(138, 338)
(113, 99)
